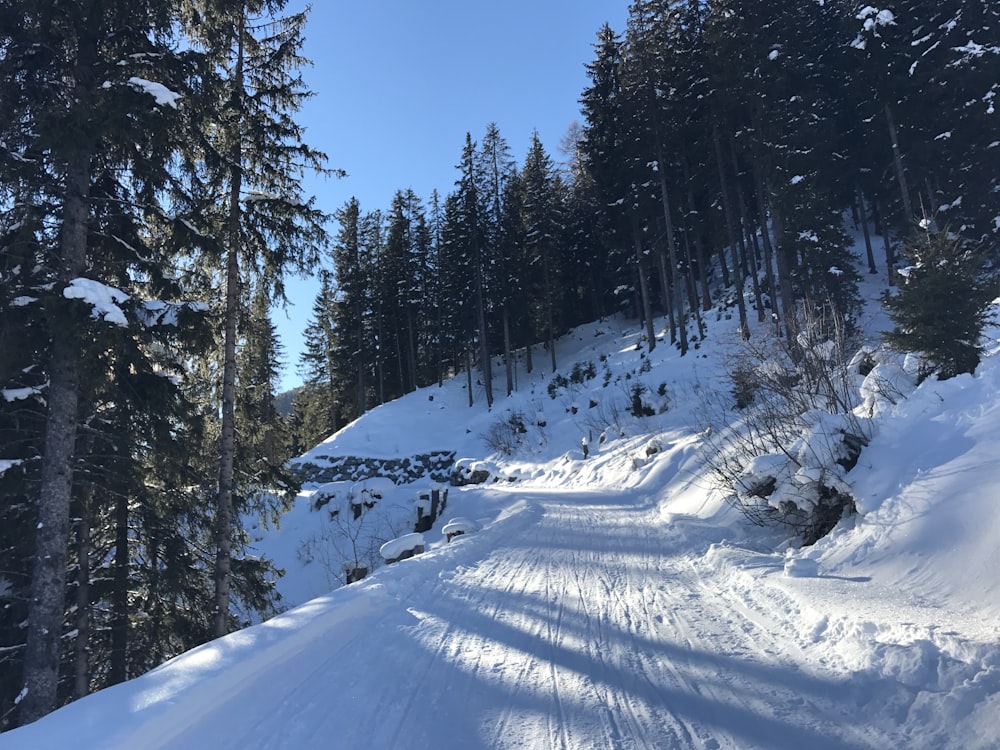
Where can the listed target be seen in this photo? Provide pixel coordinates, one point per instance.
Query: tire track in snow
(634, 687)
(587, 626)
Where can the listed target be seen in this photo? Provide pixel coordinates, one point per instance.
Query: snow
(458, 526)
(393, 549)
(5, 464)
(875, 17)
(159, 92)
(19, 394)
(801, 567)
(103, 298)
(617, 601)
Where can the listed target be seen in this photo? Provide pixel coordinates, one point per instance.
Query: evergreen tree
(942, 305)
(648, 83)
(86, 139)
(403, 274)
(496, 170)
(605, 145)
(456, 306)
(248, 164)
(541, 212)
(355, 342)
(318, 406)
(472, 236)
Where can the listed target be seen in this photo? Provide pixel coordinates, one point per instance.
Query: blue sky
(398, 84)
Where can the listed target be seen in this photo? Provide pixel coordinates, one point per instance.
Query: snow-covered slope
(612, 600)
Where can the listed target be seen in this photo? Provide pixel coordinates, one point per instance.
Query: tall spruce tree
(248, 164)
(318, 404)
(468, 192)
(496, 170)
(606, 143)
(352, 359)
(86, 137)
(541, 213)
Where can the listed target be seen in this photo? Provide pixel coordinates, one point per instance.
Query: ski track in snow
(588, 626)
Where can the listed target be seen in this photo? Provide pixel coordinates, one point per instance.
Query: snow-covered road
(582, 623)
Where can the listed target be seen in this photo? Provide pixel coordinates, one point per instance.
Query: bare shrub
(783, 463)
(351, 542)
(506, 434)
(604, 415)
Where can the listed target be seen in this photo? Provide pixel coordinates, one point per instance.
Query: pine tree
(599, 143)
(942, 305)
(496, 169)
(607, 147)
(541, 212)
(404, 280)
(248, 164)
(648, 77)
(354, 346)
(456, 307)
(319, 406)
(588, 236)
(473, 236)
(76, 121)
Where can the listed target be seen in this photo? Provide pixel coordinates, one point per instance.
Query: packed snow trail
(578, 621)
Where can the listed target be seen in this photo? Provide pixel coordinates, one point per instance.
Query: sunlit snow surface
(616, 601)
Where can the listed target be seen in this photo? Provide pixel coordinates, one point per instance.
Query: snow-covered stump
(458, 527)
(402, 548)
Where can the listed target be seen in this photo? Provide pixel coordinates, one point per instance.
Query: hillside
(612, 599)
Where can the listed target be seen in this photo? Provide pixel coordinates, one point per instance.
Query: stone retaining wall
(435, 466)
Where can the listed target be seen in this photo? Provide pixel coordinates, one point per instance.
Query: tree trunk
(672, 249)
(549, 305)
(695, 240)
(693, 287)
(117, 671)
(359, 322)
(786, 267)
(48, 576)
(890, 261)
(765, 237)
(468, 370)
(484, 347)
(738, 271)
(662, 263)
(897, 160)
(643, 287)
(81, 653)
(863, 217)
(227, 442)
(727, 207)
(749, 248)
(507, 354)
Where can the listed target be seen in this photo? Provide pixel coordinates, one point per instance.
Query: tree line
(723, 143)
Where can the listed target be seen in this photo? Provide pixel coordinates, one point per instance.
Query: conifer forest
(152, 205)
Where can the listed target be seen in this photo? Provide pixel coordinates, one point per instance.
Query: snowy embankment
(609, 597)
